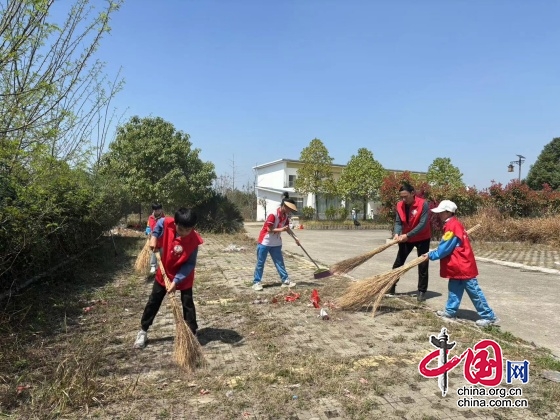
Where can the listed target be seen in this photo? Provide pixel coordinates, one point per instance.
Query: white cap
(446, 205)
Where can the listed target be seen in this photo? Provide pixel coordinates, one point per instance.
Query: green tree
(442, 172)
(546, 170)
(157, 163)
(315, 176)
(53, 100)
(361, 178)
(53, 90)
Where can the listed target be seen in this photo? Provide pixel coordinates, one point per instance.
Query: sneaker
(487, 322)
(257, 286)
(288, 283)
(392, 292)
(141, 339)
(443, 314)
(421, 296)
(152, 269)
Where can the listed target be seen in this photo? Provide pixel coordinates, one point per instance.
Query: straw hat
(290, 205)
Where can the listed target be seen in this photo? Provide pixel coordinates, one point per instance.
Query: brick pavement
(386, 349)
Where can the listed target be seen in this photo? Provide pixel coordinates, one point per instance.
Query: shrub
(219, 215)
(51, 212)
(389, 192)
(342, 213)
(307, 213)
(330, 213)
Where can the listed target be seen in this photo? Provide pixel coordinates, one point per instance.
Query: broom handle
(294, 236)
(474, 228)
(160, 264)
(421, 258)
(471, 230)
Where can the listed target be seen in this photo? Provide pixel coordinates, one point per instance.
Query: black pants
(422, 247)
(154, 303)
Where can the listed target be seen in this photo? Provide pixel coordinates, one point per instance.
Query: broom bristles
(187, 351)
(142, 263)
(347, 265)
(370, 291)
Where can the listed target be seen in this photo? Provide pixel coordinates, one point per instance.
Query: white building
(275, 177)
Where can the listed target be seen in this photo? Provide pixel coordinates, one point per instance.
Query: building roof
(274, 190)
(274, 162)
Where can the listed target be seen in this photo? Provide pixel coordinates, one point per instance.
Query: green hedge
(50, 212)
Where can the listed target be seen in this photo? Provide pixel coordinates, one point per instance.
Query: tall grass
(499, 228)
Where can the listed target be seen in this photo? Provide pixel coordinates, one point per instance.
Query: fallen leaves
(21, 388)
(92, 305)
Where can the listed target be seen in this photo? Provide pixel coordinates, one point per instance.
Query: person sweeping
(412, 230)
(179, 249)
(457, 263)
(270, 242)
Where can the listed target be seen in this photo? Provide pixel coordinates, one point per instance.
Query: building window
(291, 181)
(299, 203)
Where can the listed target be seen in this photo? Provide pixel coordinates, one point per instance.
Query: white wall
(272, 203)
(271, 176)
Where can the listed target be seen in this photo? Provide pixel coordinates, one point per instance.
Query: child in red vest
(157, 213)
(457, 264)
(178, 249)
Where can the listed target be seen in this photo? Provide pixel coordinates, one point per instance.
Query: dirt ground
(267, 358)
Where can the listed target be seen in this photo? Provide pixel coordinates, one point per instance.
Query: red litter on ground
(292, 296)
(315, 299)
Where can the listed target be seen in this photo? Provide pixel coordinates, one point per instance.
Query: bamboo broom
(347, 265)
(142, 263)
(373, 289)
(187, 350)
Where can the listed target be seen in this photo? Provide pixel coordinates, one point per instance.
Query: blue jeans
(456, 289)
(277, 258)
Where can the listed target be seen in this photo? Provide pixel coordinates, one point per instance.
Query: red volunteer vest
(460, 264)
(152, 221)
(276, 221)
(175, 252)
(414, 220)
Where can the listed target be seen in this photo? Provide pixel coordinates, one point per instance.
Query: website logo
(483, 365)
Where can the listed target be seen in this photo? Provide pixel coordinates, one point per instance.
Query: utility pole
(233, 172)
(518, 162)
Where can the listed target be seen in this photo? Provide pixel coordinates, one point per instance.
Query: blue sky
(253, 81)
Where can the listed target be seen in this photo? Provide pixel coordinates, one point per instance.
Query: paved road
(526, 301)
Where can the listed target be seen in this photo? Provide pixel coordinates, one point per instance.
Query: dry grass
(53, 357)
(497, 228)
